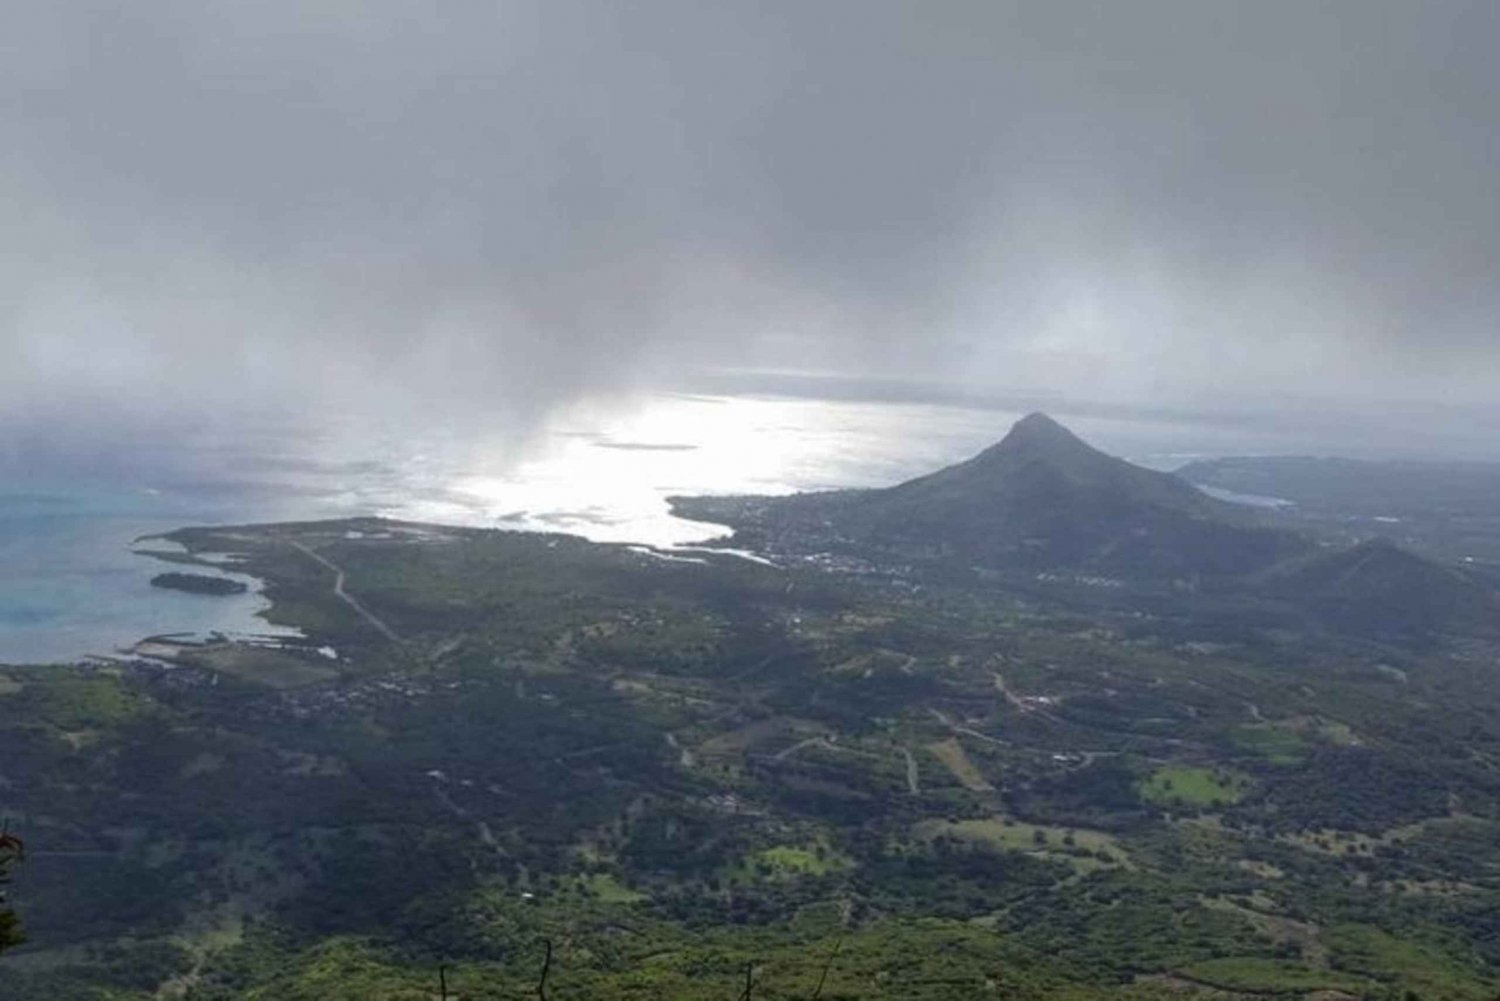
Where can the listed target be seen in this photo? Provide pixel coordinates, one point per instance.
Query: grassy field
(1188, 786)
(1439, 972)
(784, 862)
(1273, 743)
(951, 753)
(1001, 834)
(1272, 976)
(259, 665)
(608, 890)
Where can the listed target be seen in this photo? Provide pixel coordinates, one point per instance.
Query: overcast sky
(502, 206)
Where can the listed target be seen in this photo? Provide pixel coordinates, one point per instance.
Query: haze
(488, 212)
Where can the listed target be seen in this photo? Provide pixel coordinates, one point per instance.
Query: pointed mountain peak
(1038, 427)
(1039, 434)
(1036, 421)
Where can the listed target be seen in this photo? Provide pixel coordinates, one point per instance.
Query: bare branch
(541, 984)
(827, 965)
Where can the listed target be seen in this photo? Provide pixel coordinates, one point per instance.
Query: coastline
(188, 648)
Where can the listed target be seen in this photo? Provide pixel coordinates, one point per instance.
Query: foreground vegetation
(888, 783)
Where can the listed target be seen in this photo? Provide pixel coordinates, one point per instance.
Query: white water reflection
(610, 481)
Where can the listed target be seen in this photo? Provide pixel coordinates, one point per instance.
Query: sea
(75, 537)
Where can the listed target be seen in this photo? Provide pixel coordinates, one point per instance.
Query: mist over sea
(70, 584)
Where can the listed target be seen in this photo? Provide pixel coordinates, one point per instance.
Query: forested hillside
(671, 769)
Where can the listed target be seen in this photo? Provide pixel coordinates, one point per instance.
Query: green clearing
(1275, 744)
(802, 861)
(1261, 912)
(951, 753)
(1286, 742)
(784, 862)
(83, 701)
(608, 890)
(1084, 849)
(271, 668)
(1271, 976)
(1440, 973)
(1339, 734)
(1178, 785)
(76, 702)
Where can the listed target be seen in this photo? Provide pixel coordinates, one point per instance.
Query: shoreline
(167, 547)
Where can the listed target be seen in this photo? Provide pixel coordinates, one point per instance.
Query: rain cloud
(495, 209)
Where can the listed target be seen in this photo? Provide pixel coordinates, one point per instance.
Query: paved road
(349, 599)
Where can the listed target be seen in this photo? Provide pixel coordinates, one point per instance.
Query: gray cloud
(496, 207)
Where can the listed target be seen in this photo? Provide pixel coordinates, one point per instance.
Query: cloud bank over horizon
(500, 208)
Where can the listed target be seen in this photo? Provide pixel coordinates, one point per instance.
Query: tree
(11, 852)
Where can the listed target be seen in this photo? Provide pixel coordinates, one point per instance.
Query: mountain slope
(1376, 587)
(1040, 498)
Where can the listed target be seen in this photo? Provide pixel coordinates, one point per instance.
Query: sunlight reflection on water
(610, 481)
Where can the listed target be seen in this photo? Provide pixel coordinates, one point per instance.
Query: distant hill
(1358, 486)
(1040, 498)
(1446, 510)
(1378, 588)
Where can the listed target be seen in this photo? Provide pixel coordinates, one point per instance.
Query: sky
(491, 211)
